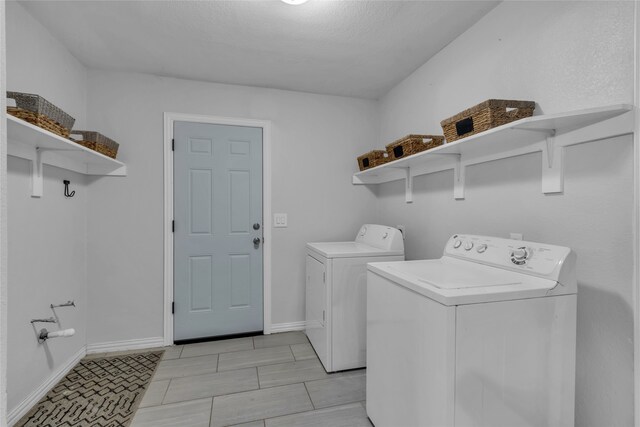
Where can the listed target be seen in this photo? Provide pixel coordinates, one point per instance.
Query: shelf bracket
(550, 144)
(458, 174)
(552, 166)
(552, 162)
(37, 180)
(408, 189)
(458, 183)
(37, 172)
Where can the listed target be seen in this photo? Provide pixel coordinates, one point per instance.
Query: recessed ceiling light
(295, 2)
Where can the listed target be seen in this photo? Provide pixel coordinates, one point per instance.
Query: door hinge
(173, 145)
(173, 307)
(173, 226)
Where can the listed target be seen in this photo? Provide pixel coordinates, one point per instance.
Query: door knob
(256, 242)
(256, 226)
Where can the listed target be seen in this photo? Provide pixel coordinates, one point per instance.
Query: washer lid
(452, 281)
(441, 274)
(349, 250)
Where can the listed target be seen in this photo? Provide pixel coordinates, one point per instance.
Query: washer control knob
(385, 235)
(468, 246)
(520, 253)
(481, 248)
(457, 244)
(519, 256)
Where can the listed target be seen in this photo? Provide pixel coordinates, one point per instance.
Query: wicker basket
(372, 159)
(412, 144)
(489, 114)
(40, 112)
(96, 141)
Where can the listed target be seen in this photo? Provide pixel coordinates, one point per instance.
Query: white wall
(564, 55)
(47, 264)
(315, 141)
(47, 236)
(39, 63)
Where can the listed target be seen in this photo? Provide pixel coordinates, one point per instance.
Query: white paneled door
(218, 283)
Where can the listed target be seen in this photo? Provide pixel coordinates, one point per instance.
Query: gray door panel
(218, 280)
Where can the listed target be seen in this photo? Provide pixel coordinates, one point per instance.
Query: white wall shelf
(548, 134)
(43, 147)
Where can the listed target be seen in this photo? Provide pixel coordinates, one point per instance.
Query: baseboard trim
(25, 406)
(286, 327)
(137, 344)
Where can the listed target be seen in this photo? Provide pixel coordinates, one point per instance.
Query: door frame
(169, 120)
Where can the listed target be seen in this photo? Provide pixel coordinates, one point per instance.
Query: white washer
(336, 298)
(484, 336)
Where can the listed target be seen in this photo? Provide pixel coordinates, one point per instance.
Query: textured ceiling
(351, 48)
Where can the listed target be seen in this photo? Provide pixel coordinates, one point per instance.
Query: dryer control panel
(381, 236)
(538, 259)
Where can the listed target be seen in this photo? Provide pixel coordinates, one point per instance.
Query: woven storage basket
(372, 159)
(40, 112)
(96, 141)
(489, 114)
(412, 144)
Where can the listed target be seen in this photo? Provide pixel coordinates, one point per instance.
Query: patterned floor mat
(100, 392)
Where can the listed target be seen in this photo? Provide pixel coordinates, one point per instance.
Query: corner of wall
(3, 222)
(636, 214)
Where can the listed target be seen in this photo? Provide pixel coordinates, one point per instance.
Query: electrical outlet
(516, 236)
(402, 230)
(280, 220)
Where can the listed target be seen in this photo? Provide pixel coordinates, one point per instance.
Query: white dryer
(336, 293)
(484, 336)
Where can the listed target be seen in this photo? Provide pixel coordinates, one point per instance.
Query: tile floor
(264, 381)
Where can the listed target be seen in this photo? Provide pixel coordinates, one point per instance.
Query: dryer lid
(349, 250)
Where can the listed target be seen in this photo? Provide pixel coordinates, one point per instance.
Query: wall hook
(66, 189)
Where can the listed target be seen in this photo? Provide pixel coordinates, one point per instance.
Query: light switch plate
(280, 220)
